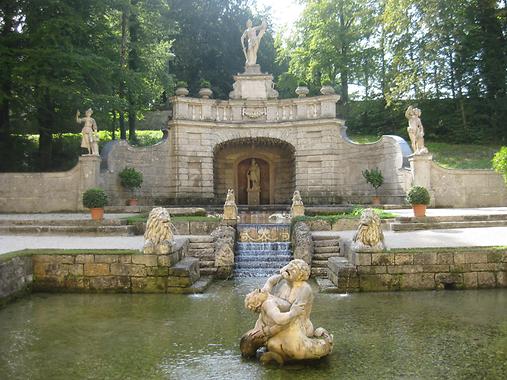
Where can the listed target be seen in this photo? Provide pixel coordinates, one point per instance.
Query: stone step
(451, 218)
(200, 239)
(325, 285)
(122, 230)
(446, 225)
(318, 272)
(324, 256)
(206, 263)
(208, 271)
(199, 286)
(249, 273)
(324, 236)
(327, 243)
(62, 222)
(260, 265)
(327, 249)
(201, 252)
(257, 258)
(319, 263)
(194, 245)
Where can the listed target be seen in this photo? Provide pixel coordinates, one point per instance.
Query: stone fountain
(283, 331)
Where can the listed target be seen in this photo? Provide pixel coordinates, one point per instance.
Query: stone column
(89, 173)
(420, 164)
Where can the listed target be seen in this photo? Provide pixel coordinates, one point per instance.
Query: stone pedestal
(253, 85)
(421, 172)
(89, 173)
(297, 210)
(254, 197)
(230, 212)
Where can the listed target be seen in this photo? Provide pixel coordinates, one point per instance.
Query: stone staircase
(448, 222)
(325, 247)
(116, 227)
(203, 247)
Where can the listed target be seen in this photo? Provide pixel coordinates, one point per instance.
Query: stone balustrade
(265, 111)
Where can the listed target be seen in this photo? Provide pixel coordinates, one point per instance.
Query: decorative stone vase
(181, 91)
(132, 202)
(327, 90)
(97, 213)
(205, 93)
(302, 91)
(419, 211)
(375, 200)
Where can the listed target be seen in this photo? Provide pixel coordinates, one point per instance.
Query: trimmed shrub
(418, 195)
(94, 198)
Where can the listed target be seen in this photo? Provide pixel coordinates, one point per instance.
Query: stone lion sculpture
(283, 327)
(159, 234)
(369, 235)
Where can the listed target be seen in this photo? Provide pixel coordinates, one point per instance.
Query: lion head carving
(369, 235)
(159, 231)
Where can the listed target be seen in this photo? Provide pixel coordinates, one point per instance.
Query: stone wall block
(485, 267)
(148, 260)
(486, 280)
(361, 258)
(426, 258)
(445, 258)
(437, 268)
(110, 283)
(404, 269)
(382, 259)
(418, 281)
(459, 258)
(149, 284)
(403, 259)
(106, 259)
(443, 280)
(94, 269)
(81, 259)
(379, 282)
(501, 279)
(470, 280)
(476, 257)
(373, 269)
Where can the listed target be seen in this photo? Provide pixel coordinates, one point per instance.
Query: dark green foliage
(418, 195)
(94, 198)
(500, 162)
(301, 83)
(373, 177)
(131, 178)
(182, 84)
(205, 83)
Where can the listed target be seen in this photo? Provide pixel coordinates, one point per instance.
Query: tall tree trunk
(6, 72)
(123, 67)
(344, 70)
(45, 114)
(134, 65)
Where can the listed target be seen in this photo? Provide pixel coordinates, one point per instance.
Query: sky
(285, 12)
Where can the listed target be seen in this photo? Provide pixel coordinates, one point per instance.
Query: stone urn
(205, 93)
(302, 91)
(327, 90)
(181, 91)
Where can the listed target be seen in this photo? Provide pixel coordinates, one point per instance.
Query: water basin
(409, 335)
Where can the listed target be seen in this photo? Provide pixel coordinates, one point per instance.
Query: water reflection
(448, 334)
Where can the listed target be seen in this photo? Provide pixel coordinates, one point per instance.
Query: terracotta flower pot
(375, 200)
(97, 213)
(419, 211)
(132, 202)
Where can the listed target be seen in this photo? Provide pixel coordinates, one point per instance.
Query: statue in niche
(253, 36)
(415, 130)
(90, 137)
(253, 177)
(283, 327)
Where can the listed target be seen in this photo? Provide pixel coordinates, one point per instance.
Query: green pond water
(407, 335)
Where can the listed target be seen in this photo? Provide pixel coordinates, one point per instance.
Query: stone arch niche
(276, 161)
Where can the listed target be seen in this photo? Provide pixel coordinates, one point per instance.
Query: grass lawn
(451, 156)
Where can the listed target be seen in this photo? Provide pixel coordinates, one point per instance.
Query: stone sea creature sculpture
(283, 327)
(297, 208)
(369, 235)
(230, 208)
(415, 130)
(279, 218)
(159, 234)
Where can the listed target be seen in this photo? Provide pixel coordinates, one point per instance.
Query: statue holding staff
(253, 36)
(90, 136)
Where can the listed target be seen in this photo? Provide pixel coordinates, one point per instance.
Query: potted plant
(181, 88)
(327, 88)
(302, 90)
(374, 177)
(205, 92)
(419, 198)
(95, 199)
(131, 179)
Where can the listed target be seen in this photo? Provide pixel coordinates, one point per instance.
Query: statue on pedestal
(297, 208)
(253, 177)
(283, 327)
(415, 130)
(230, 208)
(253, 40)
(90, 138)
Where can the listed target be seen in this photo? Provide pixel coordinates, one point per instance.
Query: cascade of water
(256, 255)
